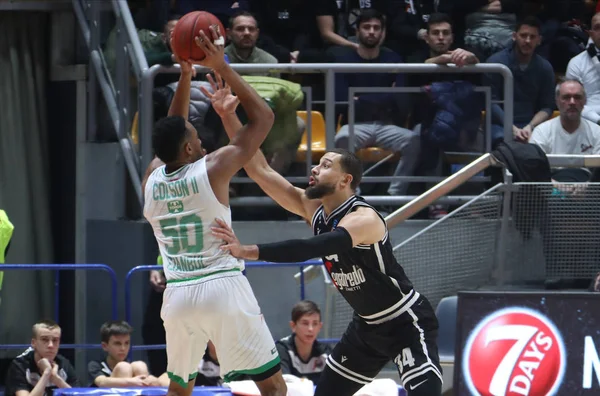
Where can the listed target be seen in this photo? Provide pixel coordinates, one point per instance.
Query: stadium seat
(446, 315)
(318, 142)
(555, 113)
(135, 136)
(375, 154)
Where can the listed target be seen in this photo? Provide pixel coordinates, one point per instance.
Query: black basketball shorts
(409, 341)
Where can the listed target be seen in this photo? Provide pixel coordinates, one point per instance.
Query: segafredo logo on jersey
(349, 279)
(344, 280)
(514, 351)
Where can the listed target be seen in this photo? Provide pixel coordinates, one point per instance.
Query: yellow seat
(318, 140)
(555, 114)
(375, 154)
(318, 144)
(135, 135)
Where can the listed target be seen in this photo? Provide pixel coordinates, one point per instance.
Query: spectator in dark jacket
(376, 117)
(533, 83)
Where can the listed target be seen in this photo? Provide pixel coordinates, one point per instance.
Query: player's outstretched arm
(272, 183)
(360, 227)
(227, 161)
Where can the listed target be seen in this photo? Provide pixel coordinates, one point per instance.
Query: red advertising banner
(537, 344)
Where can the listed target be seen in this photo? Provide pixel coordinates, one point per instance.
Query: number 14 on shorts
(407, 359)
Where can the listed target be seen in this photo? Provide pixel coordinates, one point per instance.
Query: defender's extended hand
(222, 100)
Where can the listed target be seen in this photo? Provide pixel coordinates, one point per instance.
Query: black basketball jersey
(368, 276)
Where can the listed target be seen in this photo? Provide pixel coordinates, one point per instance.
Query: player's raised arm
(227, 161)
(180, 105)
(272, 183)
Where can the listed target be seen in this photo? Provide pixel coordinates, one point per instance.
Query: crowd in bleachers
(446, 115)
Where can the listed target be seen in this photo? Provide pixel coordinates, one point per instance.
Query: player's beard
(319, 191)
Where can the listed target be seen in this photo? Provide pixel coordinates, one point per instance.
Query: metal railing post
(507, 102)
(330, 120)
(351, 118)
(145, 117)
(507, 190)
(309, 129)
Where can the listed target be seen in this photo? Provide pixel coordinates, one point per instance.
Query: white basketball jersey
(181, 207)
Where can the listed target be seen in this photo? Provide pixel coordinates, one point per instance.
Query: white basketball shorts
(225, 311)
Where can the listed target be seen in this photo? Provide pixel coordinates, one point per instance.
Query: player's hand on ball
(213, 47)
(231, 243)
(222, 100)
(187, 67)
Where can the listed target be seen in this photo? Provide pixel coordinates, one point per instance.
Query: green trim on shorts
(202, 276)
(179, 380)
(265, 367)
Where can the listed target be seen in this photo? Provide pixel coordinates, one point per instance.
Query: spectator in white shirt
(569, 133)
(585, 67)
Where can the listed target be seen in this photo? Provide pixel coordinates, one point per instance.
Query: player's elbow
(267, 118)
(263, 120)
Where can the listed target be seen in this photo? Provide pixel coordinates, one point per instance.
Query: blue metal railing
(114, 301)
(63, 267)
(141, 268)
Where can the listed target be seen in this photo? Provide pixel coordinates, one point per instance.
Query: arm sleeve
(16, 380)
(298, 250)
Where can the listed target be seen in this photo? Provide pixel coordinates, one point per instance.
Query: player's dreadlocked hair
(167, 138)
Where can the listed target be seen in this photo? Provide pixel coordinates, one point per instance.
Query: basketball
(188, 27)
